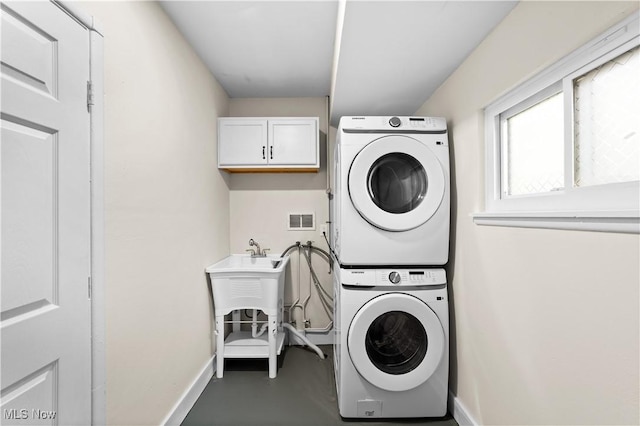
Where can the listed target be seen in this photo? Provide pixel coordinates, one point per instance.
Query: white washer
(391, 204)
(391, 353)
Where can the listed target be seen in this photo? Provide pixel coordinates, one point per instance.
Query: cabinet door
(293, 142)
(242, 142)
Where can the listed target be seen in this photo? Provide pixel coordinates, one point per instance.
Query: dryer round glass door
(396, 342)
(396, 183)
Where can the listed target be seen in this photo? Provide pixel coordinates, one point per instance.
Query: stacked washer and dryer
(390, 235)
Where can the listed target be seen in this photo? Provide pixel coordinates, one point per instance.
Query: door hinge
(90, 101)
(89, 286)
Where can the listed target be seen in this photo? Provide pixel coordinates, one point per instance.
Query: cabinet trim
(267, 147)
(271, 169)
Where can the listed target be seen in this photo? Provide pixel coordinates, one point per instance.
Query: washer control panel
(393, 277)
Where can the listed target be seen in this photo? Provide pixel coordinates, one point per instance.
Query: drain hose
(304, 339)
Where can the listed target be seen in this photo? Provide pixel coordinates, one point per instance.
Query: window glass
(607, 122)
(396, 342)
(534, 149)
(397, 182)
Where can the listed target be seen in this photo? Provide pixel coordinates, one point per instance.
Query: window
(532, 153)
(606, 120)
(564, 147)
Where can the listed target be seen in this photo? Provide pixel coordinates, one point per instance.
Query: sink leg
(273, 357)
(220, 345)
(235, 317)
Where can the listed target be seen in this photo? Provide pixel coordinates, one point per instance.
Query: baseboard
(460, 412)
(188, 399)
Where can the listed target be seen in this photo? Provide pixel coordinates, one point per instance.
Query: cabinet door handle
(263, 153)
(271, 152)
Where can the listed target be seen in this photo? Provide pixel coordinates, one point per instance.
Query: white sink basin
(240, 281)
(245, 263)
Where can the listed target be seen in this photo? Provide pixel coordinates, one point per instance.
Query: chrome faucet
(257, 252)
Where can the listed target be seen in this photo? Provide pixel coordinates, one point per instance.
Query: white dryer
(391, 353)
(391, 204)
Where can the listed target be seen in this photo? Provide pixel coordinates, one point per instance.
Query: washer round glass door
(396, 183)
(396, 342)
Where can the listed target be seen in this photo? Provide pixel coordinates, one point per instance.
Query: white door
(45, 324)
(242, 142)
(293, 142)
(396, 183)
(396, 342)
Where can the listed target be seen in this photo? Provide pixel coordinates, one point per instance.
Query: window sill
(620, 222)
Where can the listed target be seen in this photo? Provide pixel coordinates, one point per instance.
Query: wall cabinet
(268, 144)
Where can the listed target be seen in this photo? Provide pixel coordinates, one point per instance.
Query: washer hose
(304, 339)
(309, 246)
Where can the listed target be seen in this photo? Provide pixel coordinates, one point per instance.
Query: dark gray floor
(303, 394)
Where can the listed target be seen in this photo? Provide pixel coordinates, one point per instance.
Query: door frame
(98, 346)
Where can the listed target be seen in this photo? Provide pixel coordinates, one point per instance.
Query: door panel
(28, 53)
(35, 390)
(242, 142)
(28, 225)
(292, 142)
(45, 223)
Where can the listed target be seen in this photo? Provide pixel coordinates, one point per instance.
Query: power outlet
(323, 230)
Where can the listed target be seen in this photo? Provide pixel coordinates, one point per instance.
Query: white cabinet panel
(268, 144)
(293, 142)
(242, 142)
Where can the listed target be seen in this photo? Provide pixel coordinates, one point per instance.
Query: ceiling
(370, 57)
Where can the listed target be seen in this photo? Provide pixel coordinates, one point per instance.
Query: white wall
(260, 202)
(544, 322)
(167, 210)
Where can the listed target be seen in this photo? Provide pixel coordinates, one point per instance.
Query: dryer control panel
(394, 124)
(393, 277)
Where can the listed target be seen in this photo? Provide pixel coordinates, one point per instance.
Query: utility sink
(241, 281)
(244, 263)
